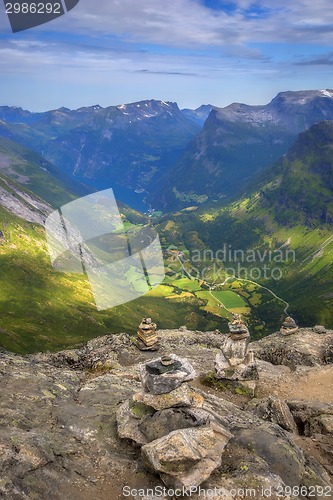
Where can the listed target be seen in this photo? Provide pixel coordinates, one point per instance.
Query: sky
(193, 52)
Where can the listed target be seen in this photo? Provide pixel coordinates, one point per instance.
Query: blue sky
(189, 51)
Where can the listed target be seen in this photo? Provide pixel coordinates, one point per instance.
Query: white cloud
(167, 49)
(188, 23)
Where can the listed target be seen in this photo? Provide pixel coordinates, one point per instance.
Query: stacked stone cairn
(288, 326)
(147, 337)
(234, 362)
(179, 440)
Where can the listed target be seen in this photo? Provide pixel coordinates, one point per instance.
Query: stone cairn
(147, 339)
(288, 326)
(234, 362)
(179, 440)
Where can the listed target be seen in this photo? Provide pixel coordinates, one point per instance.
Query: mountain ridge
(236, 143)
(129, 144)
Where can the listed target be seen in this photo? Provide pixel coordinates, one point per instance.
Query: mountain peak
(301, 96)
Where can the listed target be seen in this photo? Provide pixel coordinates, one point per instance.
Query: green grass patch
(187, 284)
(229, 299)
(223, 385)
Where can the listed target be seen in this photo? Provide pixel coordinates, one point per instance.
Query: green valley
(264, 254)
(276, 237)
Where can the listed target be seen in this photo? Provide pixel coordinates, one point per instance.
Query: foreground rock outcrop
(181, 442)
(58, 433)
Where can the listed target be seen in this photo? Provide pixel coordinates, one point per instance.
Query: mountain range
(238, 142)
(245, 222)
(251, 178)
(176, 157)
(130, 145)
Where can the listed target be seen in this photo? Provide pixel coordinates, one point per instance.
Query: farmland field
(229, 299)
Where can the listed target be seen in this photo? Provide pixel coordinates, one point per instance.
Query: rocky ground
(58, 434)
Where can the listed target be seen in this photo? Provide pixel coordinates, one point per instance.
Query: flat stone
(128, 425)
(143, 347)
(274, 410)
(239, 336)
(162, 383)
(288, 331)
(165, 421)
(183, 396)
(185, 458)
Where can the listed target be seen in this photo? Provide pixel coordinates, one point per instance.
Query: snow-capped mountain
(239, 141)
(129, 144)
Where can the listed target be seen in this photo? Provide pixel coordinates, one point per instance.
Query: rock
(186, 457)
(58, 433)
(235, 350)
(183, 396)
(312, 417)
(165, 421)
(323, 424)
(234, 362)
(274, 410)
(304, 348)
(238, 329)
(288, 326)
(161, 383)
(128, 425)
(328, 354)
(319, 329)
(147, 332)
(242, 371)
(143, 347)
(284, 459)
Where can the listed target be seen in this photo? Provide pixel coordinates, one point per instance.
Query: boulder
(159, 379)
(312, 417)
(274, 410)
(319, 329)
(165, 421)
(230, 370)
(183, 396)
(186, 457)
(283, 458)
(128, 425)
(304, 348)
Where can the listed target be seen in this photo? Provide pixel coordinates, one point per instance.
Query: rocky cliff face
(239, 141)
(58, 436)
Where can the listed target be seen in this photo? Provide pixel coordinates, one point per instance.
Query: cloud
(194, 24)
(177, 73)
(323, 60)
(190, 23)
(225, 43)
